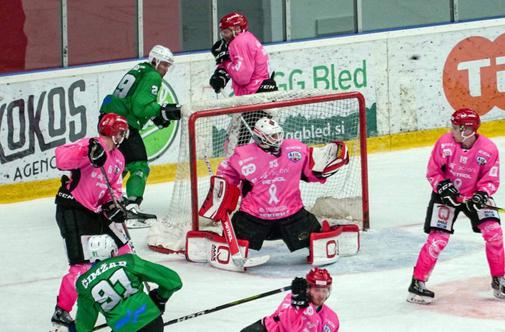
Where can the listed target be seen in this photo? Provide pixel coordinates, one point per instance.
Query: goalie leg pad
(198, 245)
(220, 256)
(324, 247)
(206, 246)
(221, 200)
(349, 240)
(327, 160)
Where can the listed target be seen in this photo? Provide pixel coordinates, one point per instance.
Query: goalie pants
(294, 230)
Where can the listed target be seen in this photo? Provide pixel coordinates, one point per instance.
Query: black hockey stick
(499, 209)
(118, 205)
(221, 307)
(227, 305)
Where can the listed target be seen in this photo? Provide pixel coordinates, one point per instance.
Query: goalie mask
(268, 135)
(101, 247)
(161, 58)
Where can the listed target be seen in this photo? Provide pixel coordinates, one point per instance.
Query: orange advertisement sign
(474, 74)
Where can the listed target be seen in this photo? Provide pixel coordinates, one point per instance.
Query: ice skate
(135, 218)
(498, 285)
(62, 321)
(418, 293)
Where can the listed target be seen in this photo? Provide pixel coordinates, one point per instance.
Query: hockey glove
(479, 200)
(220, 51)
(96, 153)
(299, 293)
(170, 112)
(448, 193)
(219, 79)
(160, 122)
(158, 300)
(113, 212)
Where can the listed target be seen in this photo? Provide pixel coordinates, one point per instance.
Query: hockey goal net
(211, 129)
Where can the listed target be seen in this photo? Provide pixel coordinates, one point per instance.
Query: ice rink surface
(369, 289)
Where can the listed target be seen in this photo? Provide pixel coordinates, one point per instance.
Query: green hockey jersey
(135, 97)
(114, 287)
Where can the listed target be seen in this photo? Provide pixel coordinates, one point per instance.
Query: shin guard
(436, 242)
(493, 235)
(68, 294)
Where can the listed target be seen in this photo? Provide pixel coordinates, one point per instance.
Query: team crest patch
(481, 160)
(294, 156)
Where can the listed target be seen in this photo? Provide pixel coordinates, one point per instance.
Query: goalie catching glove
(221, 200)
(327, 160)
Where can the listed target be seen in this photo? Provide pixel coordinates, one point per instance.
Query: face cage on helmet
(269, 141)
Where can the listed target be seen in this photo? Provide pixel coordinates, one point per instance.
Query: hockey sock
(493, 235)
(136, 184)
(68, 294)
(429, 253)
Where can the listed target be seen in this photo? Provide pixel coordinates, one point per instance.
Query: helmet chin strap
(462, 130)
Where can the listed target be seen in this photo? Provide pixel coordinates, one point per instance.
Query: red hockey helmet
(114, 126)
(466, 117)
(319, 278)
(233, 19)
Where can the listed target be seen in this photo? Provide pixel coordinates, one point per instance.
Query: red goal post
(313, 117)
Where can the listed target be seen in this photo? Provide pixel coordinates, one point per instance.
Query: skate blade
(418, 299)
(138, 223)
(499, 295)
(58, 328)
(256, 261)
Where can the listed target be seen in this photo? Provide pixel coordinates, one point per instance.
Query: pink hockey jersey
(275, 181)
(290, 319)
(248, 65)
(475, 169)
(91, 190)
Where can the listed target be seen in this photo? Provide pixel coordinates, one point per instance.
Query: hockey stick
(118, 205)
(227, 305)
(499, 209)
(229, 234)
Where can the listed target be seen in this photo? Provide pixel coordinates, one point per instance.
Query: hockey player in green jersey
(114, 287)
(135, 98)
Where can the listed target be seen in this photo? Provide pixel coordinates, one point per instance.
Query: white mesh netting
(314, 123)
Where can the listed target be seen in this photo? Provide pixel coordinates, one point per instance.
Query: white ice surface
(369, 289)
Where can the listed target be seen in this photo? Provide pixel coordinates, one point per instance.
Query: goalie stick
(220, 307)
(229, 234)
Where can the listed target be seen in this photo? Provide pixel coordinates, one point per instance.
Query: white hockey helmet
(101, 247)
(161, 53)
(268, 134)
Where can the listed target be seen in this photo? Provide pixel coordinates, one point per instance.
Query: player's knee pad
(139, 169)
(492, 232)
(437, 241)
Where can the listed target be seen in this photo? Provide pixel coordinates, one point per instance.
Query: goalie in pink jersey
(304, 310)
(464, 172)
(84, 206)
(268, 173)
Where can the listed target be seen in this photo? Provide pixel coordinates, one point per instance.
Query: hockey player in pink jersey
(84, 206)
(303, 310)
(464, 172)
(240, 56)
(268, 172)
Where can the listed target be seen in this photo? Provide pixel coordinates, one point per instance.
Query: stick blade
(256, 261)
